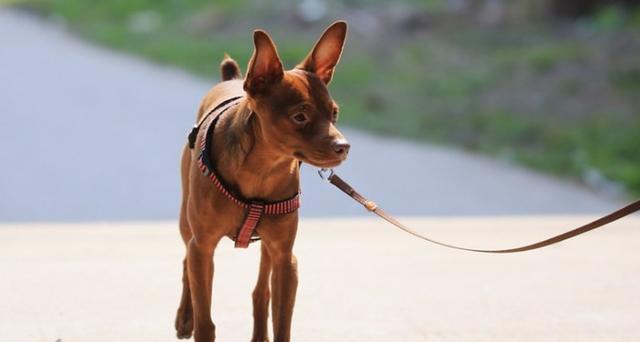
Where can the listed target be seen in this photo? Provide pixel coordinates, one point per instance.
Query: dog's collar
(255, 207)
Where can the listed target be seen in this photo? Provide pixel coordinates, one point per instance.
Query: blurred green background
(550, 84)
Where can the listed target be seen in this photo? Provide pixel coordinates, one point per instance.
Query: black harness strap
(194, 131)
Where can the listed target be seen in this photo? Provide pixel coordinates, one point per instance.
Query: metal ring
(323, 174)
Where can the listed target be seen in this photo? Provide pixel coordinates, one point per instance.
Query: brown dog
(258, 131)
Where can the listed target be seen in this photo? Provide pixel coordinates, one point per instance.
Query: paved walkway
(360, 280)
(91, 134)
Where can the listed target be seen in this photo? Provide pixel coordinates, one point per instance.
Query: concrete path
(91, 134)
(360, 280)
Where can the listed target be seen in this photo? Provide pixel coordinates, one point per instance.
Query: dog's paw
(184, 329)
(184, 334)
(184, 324)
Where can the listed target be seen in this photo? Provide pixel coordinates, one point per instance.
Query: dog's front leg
(200, 265)
(284, 283)
(261, 296)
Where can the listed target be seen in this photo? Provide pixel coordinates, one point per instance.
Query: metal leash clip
(325, 174)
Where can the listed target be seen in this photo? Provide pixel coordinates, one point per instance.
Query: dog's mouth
(324, 163)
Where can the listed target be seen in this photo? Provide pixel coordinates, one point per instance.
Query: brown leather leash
(372, 207)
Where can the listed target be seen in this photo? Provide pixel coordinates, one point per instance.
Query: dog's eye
(334, 116)
(299, 118)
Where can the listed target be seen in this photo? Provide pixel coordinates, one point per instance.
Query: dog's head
(294, 109)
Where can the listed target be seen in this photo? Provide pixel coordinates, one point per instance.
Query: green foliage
(541, 56)
(626, 80)
(609, 18)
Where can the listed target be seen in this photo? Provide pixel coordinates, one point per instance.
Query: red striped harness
(255, 207)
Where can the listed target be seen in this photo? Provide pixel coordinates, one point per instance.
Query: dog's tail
(229, 69)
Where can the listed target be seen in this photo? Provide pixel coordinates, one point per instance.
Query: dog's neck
(250, 163)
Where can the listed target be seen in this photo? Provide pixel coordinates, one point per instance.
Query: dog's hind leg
(261, 296)
(184, 316)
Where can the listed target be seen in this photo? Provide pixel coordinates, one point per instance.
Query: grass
(559, 98)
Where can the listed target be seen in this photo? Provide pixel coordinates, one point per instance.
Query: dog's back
(230, 86)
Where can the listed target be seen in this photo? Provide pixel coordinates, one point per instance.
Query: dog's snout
(341, 147)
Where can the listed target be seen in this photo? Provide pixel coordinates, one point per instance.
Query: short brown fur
(284, 118)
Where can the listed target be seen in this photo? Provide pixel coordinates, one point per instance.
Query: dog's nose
(341, 147)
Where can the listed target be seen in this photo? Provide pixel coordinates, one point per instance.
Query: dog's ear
(265, 66)
(324, 56)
